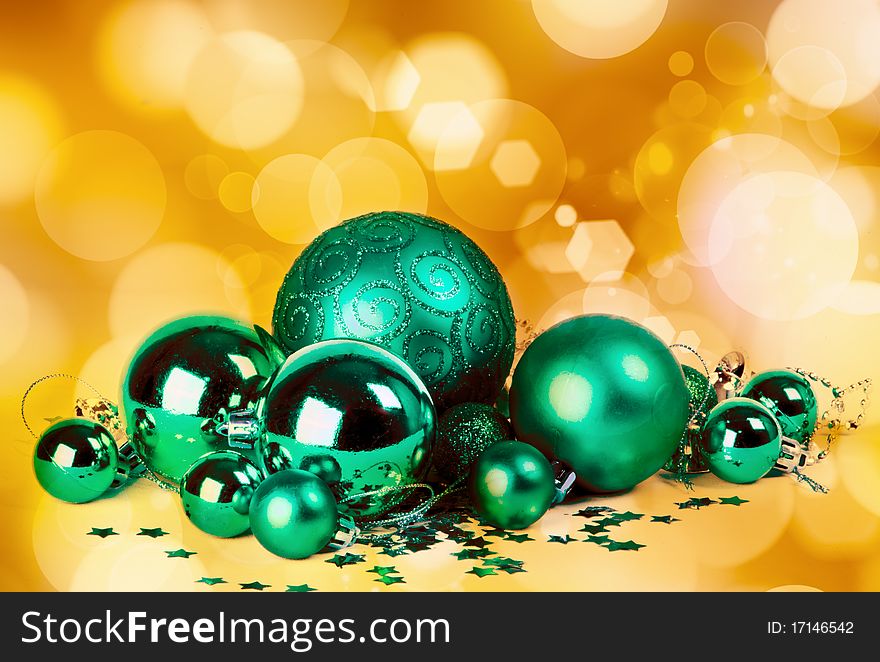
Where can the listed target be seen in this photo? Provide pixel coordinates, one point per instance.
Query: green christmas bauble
(293, 514)
(216, 492)
(604, 395)
(703, 398)
(75, 460)
(355, 414)
(511, 485)
(741, 440)
(414, 285)
(184, 375)
(791, 399)
(463, 432)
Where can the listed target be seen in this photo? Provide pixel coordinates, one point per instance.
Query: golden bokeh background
(709, 169)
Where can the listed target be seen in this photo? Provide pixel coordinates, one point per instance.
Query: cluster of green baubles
(393, 336)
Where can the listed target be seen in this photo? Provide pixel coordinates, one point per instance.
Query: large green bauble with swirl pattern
(414, 285)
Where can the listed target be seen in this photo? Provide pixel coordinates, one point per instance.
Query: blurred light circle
(434, 111)
(244, 89)
(676, 287)
(627, 296)
(338, 104)
(599, 29)
(860, 187)
(565, 215)
(15, 313)
(30, 124)
(681, 63)
(203, 175)
(794, 588)
(849, 130)
(369, 174)
(100, 195)
(825, 54)
(751, 115)
(519, 166)
(859, 297)
(145, 49)
(736, 53)
(663, 161)
(105, 367)
(283, 205)
(235, 191)
(783, 245)
(687, 98)
(281, 19)
(566, 307)
(717, 170)
(148, 291)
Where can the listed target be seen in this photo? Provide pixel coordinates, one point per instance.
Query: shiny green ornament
(687, 458)
(293, 514)
(216, 492)
(185, 374)
(353, 413)
(791, 399)
(605, 396)
(512, 485)
(414, 285)
(76, 460)
(741, 440)
(463, 433)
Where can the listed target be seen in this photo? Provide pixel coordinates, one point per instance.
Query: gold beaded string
(834, 425)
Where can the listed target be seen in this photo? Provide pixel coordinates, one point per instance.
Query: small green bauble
(791, 399)
(511, 485)
(293, 514)
(216, 492)
(463, 433)
(354, 414)
(184, 375)
(741, 440)
(414, 285)
(75, 460)
(604, 395)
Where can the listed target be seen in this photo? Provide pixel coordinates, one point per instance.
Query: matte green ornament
(185, 374)
(216, 492)
(353, 413)
(293, 514)
(415, 286)
(604, 395)
(687, 458)
(463, 432)
(512, 485)
(741, 440)
(76, 460)
(791, 399)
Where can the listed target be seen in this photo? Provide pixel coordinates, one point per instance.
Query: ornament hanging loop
(792, 457)
(241, 428)
(563, 479)
(346, 534)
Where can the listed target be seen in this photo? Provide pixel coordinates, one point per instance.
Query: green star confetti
(299, 588)
(665, 519)
(593, 511)
(498, 533)
(470, 554)
(393, 551)
(383, 570)
(518, 537)
(561, 539)
(152, 533)
(732, 501)
(628, 516)
(593, 528)
(388, 580)
(476, 542)
(695, 503)
(629, 545)
(102, 533)
(481, 572)
(254, 586)
(340, 560)
(210, 581)
(599, 540)
(179, 554)
(609, 521)
(502, 562)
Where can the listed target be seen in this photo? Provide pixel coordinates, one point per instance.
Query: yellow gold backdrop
(709, 169)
